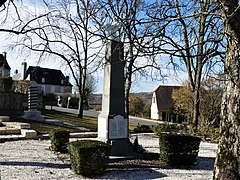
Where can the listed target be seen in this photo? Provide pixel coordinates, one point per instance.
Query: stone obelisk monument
(112, 121)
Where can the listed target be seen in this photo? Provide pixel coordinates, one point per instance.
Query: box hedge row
(59, 140)
(89, 157)
(178, 149)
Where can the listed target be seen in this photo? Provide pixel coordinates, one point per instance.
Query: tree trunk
(128, 81)
(80, 101)
(127, 93)
(196, 107)
(80, 107)
(227, 164)
(82, 97)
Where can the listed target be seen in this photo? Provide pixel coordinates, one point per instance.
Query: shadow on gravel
(138, 174)
(151, 160)
(39, 164)
(204, 163)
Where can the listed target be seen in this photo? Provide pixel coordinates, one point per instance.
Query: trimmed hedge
(59, 140)
(6, 84)
(142, 129)
(89, 157)
(178, 149)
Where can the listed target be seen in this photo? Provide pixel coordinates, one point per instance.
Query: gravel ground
(32, 160)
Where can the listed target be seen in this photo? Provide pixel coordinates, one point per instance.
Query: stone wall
(12, 104)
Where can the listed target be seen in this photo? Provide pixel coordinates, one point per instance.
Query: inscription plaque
(118, 127)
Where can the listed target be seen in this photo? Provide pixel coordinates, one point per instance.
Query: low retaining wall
(11, 103)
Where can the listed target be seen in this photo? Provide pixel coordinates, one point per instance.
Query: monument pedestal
(114, 130)
(121, 147)
(33, 115)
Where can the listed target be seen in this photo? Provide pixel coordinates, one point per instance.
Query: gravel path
(32, 160)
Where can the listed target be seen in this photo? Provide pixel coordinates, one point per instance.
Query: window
(42, 88)
(154, 99)
(62, 89)
(52, 89)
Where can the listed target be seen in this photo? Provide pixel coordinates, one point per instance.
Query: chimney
(24, 70)
(5, 55)
(67, 79)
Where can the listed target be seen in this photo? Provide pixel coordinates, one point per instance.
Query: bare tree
(131, 15)
(227, 164)
(190, 33)
(64, 33)
(90, 87)
(11, 18)
(9, 9)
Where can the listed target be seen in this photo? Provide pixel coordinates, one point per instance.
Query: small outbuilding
(163, 104)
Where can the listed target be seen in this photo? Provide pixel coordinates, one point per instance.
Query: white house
(162, 104)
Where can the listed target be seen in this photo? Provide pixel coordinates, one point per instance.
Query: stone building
(49, 81)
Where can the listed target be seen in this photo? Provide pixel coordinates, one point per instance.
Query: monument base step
(29, 133)
(16, 131)
(4, 118)
(15, 137)
(17, 125)
(8, 131)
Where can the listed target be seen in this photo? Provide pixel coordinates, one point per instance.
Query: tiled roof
(50, 76)
(164, 97)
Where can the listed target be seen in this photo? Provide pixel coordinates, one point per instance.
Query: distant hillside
(95, 100)
(145, 96)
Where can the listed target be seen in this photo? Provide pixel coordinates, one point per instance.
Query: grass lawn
(43, 127)
(86, 122)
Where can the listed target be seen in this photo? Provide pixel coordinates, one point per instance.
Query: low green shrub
(207, 133)
(178, 149)
(210, 133)
(170, 129)
(214, 134)
(142, 129)
(89, 157)
(59, 140)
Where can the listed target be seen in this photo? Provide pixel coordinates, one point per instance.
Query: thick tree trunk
(227, 164)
